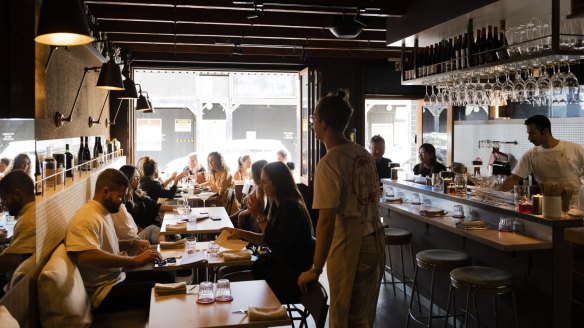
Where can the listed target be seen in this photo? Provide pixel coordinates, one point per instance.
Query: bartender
(551, 160)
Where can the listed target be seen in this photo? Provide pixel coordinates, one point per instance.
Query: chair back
(243, 275)
(230, 199)
(315, 302)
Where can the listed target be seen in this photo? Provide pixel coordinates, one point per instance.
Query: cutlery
(240, 311)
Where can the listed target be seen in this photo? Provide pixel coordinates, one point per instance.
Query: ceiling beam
(214, 16)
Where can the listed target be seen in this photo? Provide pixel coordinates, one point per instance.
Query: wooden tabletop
(202, 226)
(183, 310)
(505, 241)
(575, 235)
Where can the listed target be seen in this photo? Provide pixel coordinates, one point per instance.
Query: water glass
(223, 292)
(191, 245)
(213, 249)
(460, 184)
(519, 195)
(206, 294)
(389, 193)
(416, 199)
(505, 224)
(10, 220)
(458, 212)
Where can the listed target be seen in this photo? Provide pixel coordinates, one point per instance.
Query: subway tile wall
(467, 136)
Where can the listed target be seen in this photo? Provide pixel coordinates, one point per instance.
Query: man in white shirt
(17, 192)
(349, 233)
(91, 240)
(551, 160)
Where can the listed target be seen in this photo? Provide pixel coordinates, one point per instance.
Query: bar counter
(539, 257)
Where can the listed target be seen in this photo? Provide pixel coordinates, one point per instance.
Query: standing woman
(195, 168)
(287, 231)
(220, 180)
(428, 163)
(150, 184)
(243, 166)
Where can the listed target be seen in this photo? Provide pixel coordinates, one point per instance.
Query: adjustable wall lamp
(91, 121)
(59, 118)
(128, 93)
(150, 109)
(63, 23)
(142, 102)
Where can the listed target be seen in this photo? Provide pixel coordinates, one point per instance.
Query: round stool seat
(397, 236)
(482, 278)
(442, 259)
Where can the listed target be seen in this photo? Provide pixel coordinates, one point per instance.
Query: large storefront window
(235, 113)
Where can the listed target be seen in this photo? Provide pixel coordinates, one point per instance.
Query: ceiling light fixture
(346, 27)
(256, 13)
(63, 23)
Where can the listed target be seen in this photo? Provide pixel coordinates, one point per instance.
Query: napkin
(173, 244)
(176, 227)
(236, 256)
(233, 244)
(267, 313)
(170, 289)
(432, 212)
(475, 224)
(394, 200)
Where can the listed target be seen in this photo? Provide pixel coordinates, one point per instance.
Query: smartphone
(215, 218)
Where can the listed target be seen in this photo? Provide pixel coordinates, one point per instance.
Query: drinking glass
(543, 87)
(571, 86)
(213, 249)
(223, 292)
(519, 195)
(191, 245)
(557, 85)
(460, 184)
(206, 294)
(567, 193)
(204, 196)
(184, 210)
(458, 212)
(416, 199)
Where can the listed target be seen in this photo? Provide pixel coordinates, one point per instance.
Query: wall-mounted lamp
(91, 121)
(107, 80)
(150, 109)
(128, 93)
(142, 102)
(63, 23)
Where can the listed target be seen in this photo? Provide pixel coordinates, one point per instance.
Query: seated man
(377, 150)
(91, 240)
(17, 192)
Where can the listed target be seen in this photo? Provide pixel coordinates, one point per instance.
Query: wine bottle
(38, 177)
(503, 41)
(80, 158)
(490, 46)
(69, 162)
(87, 155)
(464, 56)
(95, 153)
(99, 150)
(49, 169)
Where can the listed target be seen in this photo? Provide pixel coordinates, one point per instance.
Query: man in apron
(551, 160)
(349, 234)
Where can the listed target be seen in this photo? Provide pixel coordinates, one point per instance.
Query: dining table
(182, 310)
(208, 220)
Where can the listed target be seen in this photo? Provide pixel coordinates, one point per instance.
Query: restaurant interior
(168, 78)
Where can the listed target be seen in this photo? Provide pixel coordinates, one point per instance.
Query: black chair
(242, 275)
(315, 304)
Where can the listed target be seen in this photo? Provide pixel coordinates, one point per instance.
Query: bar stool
(398, 237)
(435, 260)
(480, 280)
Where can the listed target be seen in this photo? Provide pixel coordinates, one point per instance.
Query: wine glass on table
(204, 196)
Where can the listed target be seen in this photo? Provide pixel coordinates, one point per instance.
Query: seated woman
(243, 166)
(219, 181)
(428, 163)
(287, 232)
(245, 219)
(195, 169)
(144, 211)
(150, 184)
(164, 183)
(22, 162)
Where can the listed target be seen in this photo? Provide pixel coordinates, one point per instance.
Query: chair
(315, 304)
(230, 199)
(242, 275)
(401, 238)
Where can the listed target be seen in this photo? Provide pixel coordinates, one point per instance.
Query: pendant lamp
(63, 23)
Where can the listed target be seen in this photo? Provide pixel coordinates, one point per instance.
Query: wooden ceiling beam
(279, 52)
(227, 31)
(380, 8)
(243, 41)
(213, 16)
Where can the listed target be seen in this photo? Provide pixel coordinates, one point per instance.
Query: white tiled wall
(467, 136)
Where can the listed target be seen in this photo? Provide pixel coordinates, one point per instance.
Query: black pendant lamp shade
(63, 23)
(150, 109)
(142, 103)
(110, 77)
(346, 27)
(129, 90)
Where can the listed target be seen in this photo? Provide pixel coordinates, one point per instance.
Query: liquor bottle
(38, 177)
(80, 158)
(464, 56)
(457, 49)
(503, 41)
(69, 162)
(87, 155)
(49, 169)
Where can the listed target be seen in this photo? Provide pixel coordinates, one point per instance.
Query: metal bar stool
(435, 260)
(398, 237)
(480, 280)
